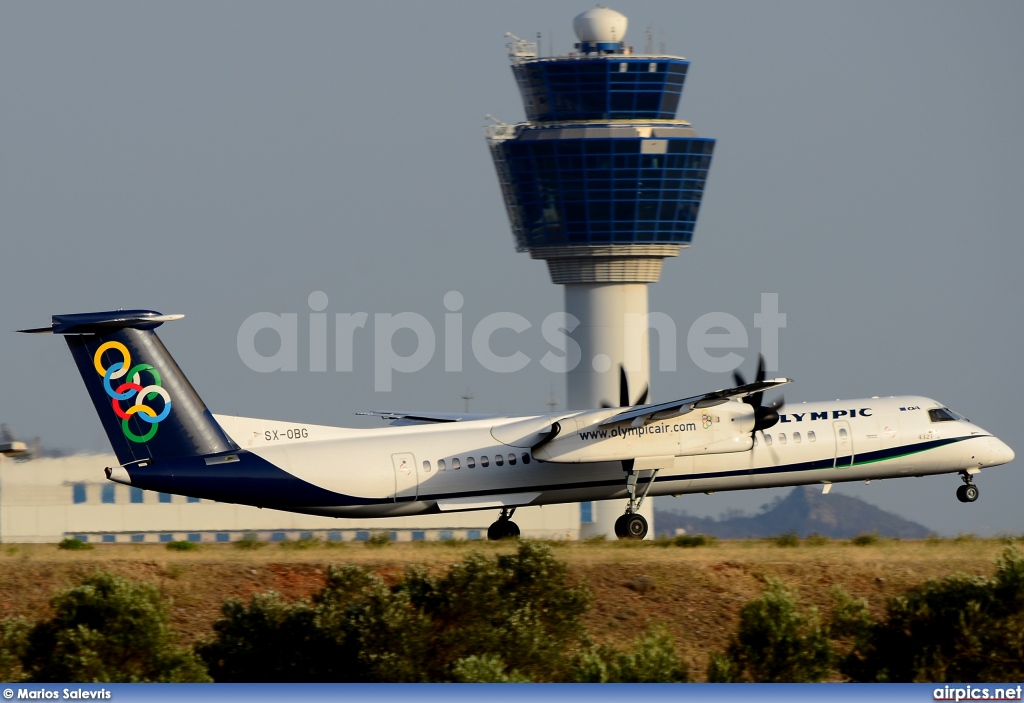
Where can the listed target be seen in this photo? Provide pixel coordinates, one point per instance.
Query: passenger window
(526, 458)
(456, 465)
(810, 436)
(796, 438)
(426, 467)
(483, 461)
(511, 459)
(842, 433)
(440, 465)
(470, 462)
(498, 460)
(782, 437)
(768, 440)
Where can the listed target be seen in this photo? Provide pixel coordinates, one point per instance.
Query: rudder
(148, 408)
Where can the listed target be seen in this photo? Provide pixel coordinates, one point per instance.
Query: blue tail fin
(147, 406)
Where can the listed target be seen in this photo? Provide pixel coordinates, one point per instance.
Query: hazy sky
(221, 159)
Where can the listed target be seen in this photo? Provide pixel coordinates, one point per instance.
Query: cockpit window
(943, 415)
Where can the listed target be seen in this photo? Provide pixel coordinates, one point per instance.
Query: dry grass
(696, 592)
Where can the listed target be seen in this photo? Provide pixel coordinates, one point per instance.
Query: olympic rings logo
(705, 420)
(134, 387)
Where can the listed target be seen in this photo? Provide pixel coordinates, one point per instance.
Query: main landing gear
(633, 525)
(967, 493)
(503, 527)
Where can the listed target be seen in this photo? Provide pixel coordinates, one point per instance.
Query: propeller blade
(643, 396)
(738, 377)
(623, 388)
(757, 398)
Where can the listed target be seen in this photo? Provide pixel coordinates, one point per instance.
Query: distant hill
(804, 511)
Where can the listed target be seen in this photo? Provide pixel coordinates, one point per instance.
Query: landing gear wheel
(636, 526)
(631, 526)
(503, 527)
(620, 526)
(967, 493)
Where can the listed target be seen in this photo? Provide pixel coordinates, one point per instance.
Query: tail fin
(147, 406)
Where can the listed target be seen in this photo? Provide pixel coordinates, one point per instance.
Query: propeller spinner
(764, 417)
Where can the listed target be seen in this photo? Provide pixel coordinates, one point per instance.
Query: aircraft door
(406, 477)
(844, 445)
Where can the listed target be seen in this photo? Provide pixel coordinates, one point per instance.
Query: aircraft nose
(999, 452)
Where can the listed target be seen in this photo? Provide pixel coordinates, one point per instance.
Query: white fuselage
(471, 465)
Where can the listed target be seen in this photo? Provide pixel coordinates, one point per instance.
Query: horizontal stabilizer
(425, 418)
(103, 322)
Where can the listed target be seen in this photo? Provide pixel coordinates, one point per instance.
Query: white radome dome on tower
(600, 25)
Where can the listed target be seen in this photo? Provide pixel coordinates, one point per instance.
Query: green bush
(107, 629)
(488, 668)
(513, 616)
(788, 539)
(518, 606)
(692, 540)
(13, 642)
(961, 628)
(653, 658)
(816, 540)
(865, 539)
(70, 543)
(300, 544)
(379, 539)
(249, 541)
(182, 546)
(775, 642)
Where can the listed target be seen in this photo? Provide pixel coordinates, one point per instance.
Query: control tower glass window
(586, 191)
(612, 88)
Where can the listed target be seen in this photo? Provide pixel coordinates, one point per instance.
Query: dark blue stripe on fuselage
(253, 480)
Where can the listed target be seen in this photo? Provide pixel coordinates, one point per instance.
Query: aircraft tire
(960, 494)
(620, 527)
(496, 531)
(635, 526)
(502, 529)
(970, 493)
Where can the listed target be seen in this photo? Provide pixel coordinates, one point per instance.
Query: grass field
(696, 592)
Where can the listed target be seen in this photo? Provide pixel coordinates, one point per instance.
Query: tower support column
(614, 344)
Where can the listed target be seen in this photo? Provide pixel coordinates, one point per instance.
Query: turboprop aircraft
(167, 440)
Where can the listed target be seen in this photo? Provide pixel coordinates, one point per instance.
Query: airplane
(167, 440)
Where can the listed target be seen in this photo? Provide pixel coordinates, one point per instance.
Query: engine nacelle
(721, 429)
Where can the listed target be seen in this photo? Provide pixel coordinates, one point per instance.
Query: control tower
(603, 183)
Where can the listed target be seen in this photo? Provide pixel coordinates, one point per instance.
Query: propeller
(624, 402)
(764, 417)
(624, 396)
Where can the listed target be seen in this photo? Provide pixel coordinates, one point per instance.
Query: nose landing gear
(967, 493)
(503, 527)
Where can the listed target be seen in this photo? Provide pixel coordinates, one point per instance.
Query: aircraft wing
(425, 418)
(642, 414)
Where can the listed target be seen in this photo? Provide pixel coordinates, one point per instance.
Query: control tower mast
(603, 183)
